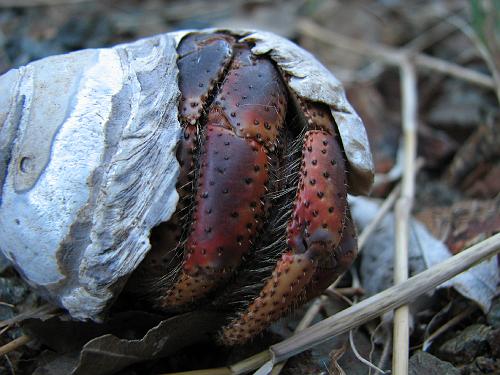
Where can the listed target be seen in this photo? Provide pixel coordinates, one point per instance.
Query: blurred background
(458, 45)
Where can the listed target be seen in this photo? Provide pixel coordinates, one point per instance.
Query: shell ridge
(130, 203)
(10, 120)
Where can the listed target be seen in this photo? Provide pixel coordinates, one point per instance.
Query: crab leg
(314, 230)
(242, 125)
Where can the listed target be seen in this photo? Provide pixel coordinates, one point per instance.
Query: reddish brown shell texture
(262, 223)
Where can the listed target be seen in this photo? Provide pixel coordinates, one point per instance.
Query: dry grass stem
(450, 323)
(4, 329)
(385, 352)
(384, 208)
(393, 56)
(360, 357)
(483, 50)
(43, 311)
(367, 309)
(305, 322)
(353, 291)
(404, 205)
(333, 294)
(14, 344)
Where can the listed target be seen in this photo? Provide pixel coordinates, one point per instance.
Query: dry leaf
(478, 283)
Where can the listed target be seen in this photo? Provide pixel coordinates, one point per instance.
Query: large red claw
(228, 210)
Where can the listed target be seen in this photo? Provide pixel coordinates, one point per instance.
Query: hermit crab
(190, 170)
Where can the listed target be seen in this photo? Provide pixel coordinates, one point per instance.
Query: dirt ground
(454, 47)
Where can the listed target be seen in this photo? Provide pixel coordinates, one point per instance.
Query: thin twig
(393, 56)
(384, 208)
(385, 352)
(402, 214)
(450, 323)
(45, 311)
(360, 357)
(356, 283)
(483, 50)
(212, 371)
(333, 294)
(14, 344)
(4, 329)
(352, 291)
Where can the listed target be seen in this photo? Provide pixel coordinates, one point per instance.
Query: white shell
(87, 159)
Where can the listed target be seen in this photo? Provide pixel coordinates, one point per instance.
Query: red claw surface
(247, 191)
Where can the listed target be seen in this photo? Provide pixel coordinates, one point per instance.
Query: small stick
(41, 311)
(352, 291)
(392, 56)
(4, 329)
(384, 208)
(333, 294)
(360, 357)
(483, 50)
(385, 352)
(14, 344)
(404, 204)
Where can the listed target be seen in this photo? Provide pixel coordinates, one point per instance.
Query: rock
(467, 345)
(494, 342)
(425, 363)
(482, 365)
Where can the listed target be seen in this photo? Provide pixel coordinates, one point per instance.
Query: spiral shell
(88, 166)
